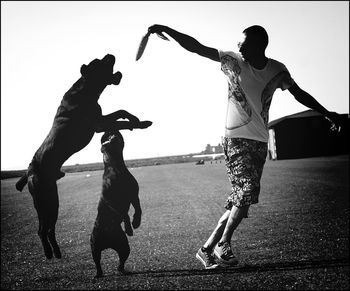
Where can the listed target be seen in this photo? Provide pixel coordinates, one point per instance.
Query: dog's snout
(109, 59)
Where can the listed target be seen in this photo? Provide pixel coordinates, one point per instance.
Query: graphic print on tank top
(239, 112)
(270, 88)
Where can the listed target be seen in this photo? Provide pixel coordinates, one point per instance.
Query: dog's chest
(117, 181)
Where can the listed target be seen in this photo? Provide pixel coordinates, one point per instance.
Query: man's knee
(240, 212)
(243, 211)
(223, 219)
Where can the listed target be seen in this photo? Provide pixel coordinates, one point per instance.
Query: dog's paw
(129, 231)
(136, 221)
(57, 252)
(122, 271)
(145, 124)
(48, 251)
(98, 275)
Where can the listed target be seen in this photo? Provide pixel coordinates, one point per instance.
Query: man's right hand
(156, 28)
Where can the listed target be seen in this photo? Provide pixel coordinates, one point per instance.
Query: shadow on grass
(280, 266)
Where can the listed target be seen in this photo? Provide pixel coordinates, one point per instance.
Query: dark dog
(119, 190)
(78, 117)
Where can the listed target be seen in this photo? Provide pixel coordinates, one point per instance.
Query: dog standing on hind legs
(77, 119)
(119, 190)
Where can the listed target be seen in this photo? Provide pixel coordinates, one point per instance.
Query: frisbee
(144, 41)
(142, 45)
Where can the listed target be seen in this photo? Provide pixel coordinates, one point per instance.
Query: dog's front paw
(129, 231)
(136, 221)
(145, 124)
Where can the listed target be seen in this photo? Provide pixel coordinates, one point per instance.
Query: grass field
(297, 237)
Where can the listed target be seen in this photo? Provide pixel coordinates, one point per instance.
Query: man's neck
(259, 62)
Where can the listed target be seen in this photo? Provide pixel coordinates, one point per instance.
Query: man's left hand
(336, 121)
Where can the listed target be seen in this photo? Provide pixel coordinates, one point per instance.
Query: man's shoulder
(277, 64)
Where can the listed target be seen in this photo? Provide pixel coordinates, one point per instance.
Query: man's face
(248, 46)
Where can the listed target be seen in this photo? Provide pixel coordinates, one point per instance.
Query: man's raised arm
(187, 42)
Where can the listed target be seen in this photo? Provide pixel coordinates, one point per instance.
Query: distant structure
(210, 153)
(306, 134)
(212, 149)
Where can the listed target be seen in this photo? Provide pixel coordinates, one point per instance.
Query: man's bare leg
(227, 224)
(234, 219)
(218, 231)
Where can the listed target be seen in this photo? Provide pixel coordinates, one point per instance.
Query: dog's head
(112, 142)
(101, 71)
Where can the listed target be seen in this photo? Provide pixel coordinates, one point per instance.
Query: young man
(252, 79)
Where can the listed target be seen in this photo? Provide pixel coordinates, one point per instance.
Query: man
(252, 79)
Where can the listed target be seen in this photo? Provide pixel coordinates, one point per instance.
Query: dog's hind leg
(96, 255)
(54, 244)
(123, 249)
(43, 234)
(53, 219)
(45, 198)
(52, 239)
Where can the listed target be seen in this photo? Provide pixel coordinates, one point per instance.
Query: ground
(297, 237)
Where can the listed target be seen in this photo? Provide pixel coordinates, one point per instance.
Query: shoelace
(209, 257)
(226, 249)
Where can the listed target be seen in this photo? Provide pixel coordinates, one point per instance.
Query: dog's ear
(83, 70)
(91, 68)
(22, 182)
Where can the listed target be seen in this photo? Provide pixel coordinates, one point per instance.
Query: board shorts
(245, 159)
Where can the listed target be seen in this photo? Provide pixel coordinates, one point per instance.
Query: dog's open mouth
(116, 78)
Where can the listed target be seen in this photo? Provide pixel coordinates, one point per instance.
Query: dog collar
(109, 140)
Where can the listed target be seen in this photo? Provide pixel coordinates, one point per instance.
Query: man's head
(254, 42)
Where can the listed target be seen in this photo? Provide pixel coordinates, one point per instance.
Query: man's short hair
(259, 32)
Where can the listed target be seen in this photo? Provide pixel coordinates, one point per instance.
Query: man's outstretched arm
(306, 99)
(187, 42)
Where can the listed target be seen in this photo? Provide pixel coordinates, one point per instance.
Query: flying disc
(144, 41)
(142, 45)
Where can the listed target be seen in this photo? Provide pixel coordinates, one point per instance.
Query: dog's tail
(22, 182)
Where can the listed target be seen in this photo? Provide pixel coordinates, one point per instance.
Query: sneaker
(207, 259)
(224, 254)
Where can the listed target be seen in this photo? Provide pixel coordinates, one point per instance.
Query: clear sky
(44, 43)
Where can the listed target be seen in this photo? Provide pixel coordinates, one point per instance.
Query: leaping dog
(78, 117)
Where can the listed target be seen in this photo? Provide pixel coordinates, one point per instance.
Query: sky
(44, 44)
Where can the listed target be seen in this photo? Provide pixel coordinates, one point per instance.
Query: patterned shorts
(245, 160)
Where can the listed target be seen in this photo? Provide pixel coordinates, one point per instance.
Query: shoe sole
(224, 263)
(203, 262)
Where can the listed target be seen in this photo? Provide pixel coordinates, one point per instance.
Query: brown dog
(119, 190)
(78, 117)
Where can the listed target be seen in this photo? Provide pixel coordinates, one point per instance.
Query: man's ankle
(206, 249)
(220, 243)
